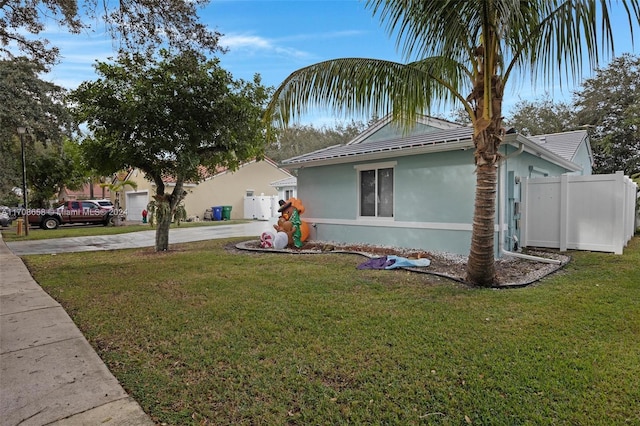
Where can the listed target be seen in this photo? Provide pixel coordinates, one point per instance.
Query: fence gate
(595, 212)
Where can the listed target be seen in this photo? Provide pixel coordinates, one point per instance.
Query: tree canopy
(607, 105)
(134, 24)
(28, 101)
(170, 116)
(542, 116)
(300, 139)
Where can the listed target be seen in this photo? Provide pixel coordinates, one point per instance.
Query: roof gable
(565, 144)
(386, 129)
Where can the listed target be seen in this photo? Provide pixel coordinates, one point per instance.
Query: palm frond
(368, 86)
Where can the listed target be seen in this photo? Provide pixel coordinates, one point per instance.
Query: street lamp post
(21, 132)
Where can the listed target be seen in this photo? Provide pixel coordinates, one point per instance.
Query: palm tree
(117, 188)
(460, 52)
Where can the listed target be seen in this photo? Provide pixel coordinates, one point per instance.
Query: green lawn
(10, 233)
(204, 335)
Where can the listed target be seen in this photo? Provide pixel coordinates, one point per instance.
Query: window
(88, 205)
(288, 194)
(376, 190)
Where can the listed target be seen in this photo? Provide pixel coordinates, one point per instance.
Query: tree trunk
(163, 223)
(487, 137)
(481, 262)
(165, 208)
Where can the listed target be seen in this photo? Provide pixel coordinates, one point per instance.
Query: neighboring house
(222, 188)
(85, 193)
(417, 190)
(287, 188)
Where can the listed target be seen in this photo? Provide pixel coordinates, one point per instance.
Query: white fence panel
(595, 212)
(262, 207)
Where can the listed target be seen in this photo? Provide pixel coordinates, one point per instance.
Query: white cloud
(240, 41)
(256, 44)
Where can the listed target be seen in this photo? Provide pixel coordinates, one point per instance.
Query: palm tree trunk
(481, 262)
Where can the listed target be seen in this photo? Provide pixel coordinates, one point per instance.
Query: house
(89, 191)
(220, 188)
(417, 190)
(287, 187)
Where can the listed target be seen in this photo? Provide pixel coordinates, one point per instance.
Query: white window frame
(288, 193)
(375, 166)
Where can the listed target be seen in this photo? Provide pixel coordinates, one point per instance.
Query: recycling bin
(226, 212)
(217, 213)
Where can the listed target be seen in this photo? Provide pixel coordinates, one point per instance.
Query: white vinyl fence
(595, 212)
(261, 207)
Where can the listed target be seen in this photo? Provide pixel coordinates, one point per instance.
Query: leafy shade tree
(135, 24)
(543, 116)
(462, 52)
(610, 104)
(301, 139)
(168, 117)
(28, 101)
(50, 170)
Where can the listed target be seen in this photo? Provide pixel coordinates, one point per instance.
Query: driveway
(137, 239)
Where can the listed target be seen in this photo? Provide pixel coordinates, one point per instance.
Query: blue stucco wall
(582, 158)
(433, 200)
(430, 190)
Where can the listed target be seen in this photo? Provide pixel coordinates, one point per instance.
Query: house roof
(288, 181)
(84, 192)
(445, 139)
(450, 139)
(206, 173)
(565, 144)
(427, 124)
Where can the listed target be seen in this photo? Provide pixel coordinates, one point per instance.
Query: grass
(10, 233)
(204, 335)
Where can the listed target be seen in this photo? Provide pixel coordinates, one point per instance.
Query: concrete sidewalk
(49, 374)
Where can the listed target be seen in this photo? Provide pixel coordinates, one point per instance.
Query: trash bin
(217, 213)
(226, 212)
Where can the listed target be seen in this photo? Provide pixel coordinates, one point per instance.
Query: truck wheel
(49, 223)
(109, 220)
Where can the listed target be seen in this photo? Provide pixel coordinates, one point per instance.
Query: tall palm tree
(461, 52)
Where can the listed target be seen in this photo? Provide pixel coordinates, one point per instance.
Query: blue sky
(276, 37)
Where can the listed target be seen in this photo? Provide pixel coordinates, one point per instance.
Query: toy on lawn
(287, 227)
(278, 240)
(291, 211)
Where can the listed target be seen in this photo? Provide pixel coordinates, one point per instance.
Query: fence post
(524, 205)
(619, 212)
(564, 211)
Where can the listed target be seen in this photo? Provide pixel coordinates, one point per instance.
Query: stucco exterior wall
(224, 189)
(230, 188)
(433, 200)
(433, 203)
(582, 158)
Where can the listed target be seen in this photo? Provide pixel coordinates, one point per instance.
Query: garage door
(136, 202)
